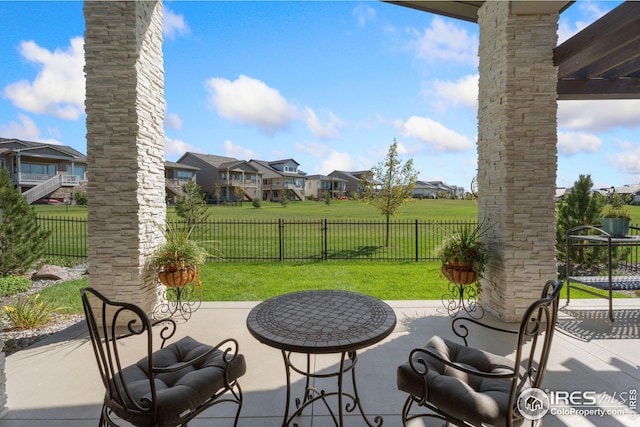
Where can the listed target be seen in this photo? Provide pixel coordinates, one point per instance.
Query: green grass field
(233, 281)
(344, 209)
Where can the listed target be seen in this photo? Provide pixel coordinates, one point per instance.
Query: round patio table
(322, 322)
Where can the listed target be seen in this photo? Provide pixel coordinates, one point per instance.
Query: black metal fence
(284, 240)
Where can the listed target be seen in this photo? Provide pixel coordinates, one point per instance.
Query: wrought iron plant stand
(461, 295)
(179, 296)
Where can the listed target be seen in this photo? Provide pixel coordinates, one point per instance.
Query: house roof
(235, 164)
(602, 61)
(628, 189)
(353, 174)
(325, 178)
(32, 146)
(277, 162)
(173, 165)
(269, 171)
(211, 159)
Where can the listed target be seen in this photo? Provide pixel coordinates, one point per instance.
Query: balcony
(247, 183)
(33, 179)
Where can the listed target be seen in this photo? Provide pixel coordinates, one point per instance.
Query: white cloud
(628, 160)
(238, 152)
(463, 92)
(433, 134)
(174, 148)
(59, 87)
(446, 41)
(330, 159)
(592, 11)
(251, 102)
(599, 116)
(173, 24)
(172, 121)
(26, 130)
(323, 131)
(364, 14)
(570, 143)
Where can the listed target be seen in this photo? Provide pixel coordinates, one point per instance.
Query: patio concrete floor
(55, 382)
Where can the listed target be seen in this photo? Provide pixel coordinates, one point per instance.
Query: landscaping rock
(52, 272)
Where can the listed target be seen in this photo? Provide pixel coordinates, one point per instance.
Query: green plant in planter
(178, 259)
(616, 218)
(611, 211)
(463, 251)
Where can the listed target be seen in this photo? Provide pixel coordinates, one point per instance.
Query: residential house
(39, 170)
(317, 185)
(437, 189)
(176, 175)
(223, 178)
(281, 177)
(352, 180)
(629, 191)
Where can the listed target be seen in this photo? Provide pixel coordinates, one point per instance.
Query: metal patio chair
(166, 387)
(466, 386)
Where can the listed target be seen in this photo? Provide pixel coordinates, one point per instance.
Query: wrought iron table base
(462, 298)
(180, 299)
(348, 361)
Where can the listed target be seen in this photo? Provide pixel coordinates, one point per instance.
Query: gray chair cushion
(467, 397)
(177, 391)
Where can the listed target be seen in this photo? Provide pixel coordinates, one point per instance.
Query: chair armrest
(461, 330)
(229, 354)
(418, 363)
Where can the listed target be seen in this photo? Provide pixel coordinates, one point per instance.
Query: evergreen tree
(22, 240)
(389, 185)
(581, 206)
(191, 205)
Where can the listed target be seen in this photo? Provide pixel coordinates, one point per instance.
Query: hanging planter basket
(176, 278)
(460, 274)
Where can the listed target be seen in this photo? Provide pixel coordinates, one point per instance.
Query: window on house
(38, 168)
(78, 171)
(184, 175)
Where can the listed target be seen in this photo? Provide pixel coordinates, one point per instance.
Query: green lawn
(233, 281)
(463, 210)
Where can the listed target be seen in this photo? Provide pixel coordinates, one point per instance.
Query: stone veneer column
(517, 157)
(125, 146)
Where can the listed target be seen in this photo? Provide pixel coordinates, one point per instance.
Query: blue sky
(329, 84)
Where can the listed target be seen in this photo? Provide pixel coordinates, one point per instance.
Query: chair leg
(405, 410)
(238, 394)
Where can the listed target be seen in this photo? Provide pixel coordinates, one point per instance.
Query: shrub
(256, 202)
(81, 198)
(11, 285)
(29, 313)
(23, 241)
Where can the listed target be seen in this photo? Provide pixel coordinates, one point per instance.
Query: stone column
(125, 146)
(517, 156)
